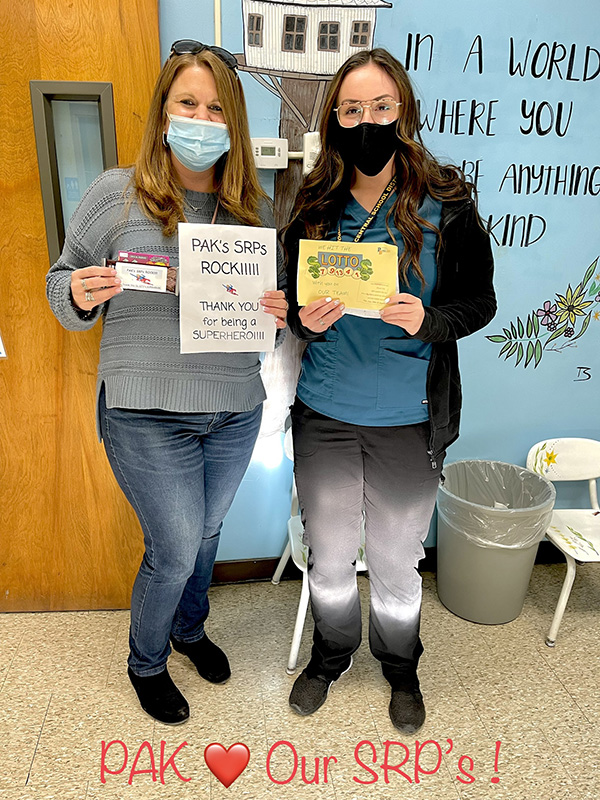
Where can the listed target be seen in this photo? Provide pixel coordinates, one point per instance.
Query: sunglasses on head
(184, 46)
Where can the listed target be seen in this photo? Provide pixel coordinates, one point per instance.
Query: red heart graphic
(227, 765)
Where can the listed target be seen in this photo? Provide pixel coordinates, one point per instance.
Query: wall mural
(293, 50)
(507, 97)
(559, 322)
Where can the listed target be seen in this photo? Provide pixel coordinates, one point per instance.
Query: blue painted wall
(465, 55)
(256, 525)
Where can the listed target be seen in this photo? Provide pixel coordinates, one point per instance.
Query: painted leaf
(536, 324)
(538, 353)
(507, 333)
(513, 330)
(583, 539)
(506, 347)
(520, 328)
(557, 334)
(512, 351)
(529, 327)
(519, 354)
(590, 271)
(496, 339)
(530, 352)
(584, 327)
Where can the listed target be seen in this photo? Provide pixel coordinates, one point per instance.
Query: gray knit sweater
(140, 363)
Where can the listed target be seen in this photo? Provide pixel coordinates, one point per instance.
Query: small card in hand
(144, 275)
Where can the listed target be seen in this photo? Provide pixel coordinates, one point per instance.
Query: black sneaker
(160, 698)
(210, 661)
(407, 710)
(310, 691)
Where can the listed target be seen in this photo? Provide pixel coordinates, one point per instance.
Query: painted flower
(550, 457)
(571, 305)
(547, 314)
(597, 316)
(597, 298)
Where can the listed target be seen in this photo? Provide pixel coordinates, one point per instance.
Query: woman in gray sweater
(178, 429)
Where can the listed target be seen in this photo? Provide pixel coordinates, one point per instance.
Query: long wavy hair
(323, 194)
(157, 187)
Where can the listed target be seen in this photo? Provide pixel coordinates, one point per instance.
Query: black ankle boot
(160, 698)
(210, 661)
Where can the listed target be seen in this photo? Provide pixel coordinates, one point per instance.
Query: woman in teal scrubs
(378, 399)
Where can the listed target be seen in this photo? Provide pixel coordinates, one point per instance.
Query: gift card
(143, 277)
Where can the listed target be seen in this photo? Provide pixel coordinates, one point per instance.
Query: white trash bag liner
(494, 504)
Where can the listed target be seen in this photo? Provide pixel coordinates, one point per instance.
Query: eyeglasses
(383, 111)
(184, 46)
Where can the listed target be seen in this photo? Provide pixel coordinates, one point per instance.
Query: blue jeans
(180, 472)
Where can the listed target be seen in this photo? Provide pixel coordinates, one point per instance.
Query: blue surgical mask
(197, 143)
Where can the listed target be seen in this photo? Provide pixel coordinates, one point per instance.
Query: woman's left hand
(276, 304)
(404, 310)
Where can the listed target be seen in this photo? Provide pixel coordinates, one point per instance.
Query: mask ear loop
(166, 145)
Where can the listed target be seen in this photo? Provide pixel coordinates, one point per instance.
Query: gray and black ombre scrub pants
(342, 469)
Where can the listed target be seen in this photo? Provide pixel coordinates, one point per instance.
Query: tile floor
(64, 691)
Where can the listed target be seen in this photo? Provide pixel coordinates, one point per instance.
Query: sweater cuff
(67, 313)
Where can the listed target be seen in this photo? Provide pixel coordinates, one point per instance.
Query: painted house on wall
(308, 36)
(292, 49)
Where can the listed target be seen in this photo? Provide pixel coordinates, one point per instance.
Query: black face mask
(368, 146)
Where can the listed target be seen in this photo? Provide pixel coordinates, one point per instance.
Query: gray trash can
(491, 518)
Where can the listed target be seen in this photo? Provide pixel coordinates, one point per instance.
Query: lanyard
(386, 193)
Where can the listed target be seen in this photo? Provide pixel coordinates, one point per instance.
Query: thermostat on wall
(311, 143)
(270, 153)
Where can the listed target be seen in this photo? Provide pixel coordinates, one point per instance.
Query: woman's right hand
(320, 315)
(92, 286)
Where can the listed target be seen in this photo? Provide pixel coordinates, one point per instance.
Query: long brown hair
(155, 181)
(324, 192)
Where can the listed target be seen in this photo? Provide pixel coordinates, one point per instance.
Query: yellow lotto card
(360, 274)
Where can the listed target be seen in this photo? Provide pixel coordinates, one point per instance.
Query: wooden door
(68, 538)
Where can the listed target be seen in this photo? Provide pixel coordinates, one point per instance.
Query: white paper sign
(223, 272)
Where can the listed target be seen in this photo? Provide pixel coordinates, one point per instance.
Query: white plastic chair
(299, 553)
(575, 531)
